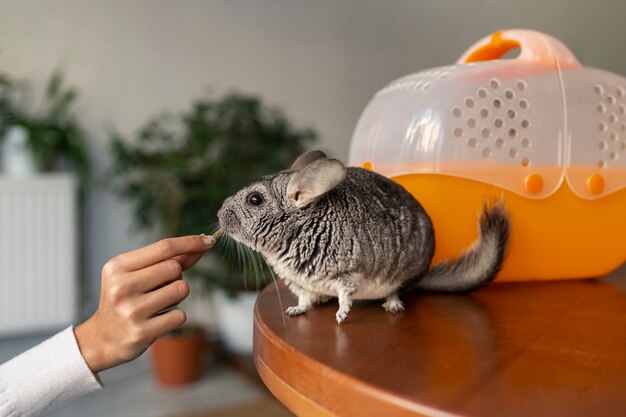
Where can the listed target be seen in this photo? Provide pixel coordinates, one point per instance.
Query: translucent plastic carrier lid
(524, 124)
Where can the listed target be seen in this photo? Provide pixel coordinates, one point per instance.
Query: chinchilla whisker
(226, 245)
(230, 243)
(243, 265)
(259, 265)
(251, 269)
(248, 268)
(213, 226)
(237, 258)
(280, 301)
(258, 270)
(231, 247)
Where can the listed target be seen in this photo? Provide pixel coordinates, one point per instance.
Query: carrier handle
(535, 48)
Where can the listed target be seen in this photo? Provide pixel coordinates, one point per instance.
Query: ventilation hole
(471, 142)
(525, 123)
(622, 128)
(494, 83)
(525, 162)
(499, 143)
(510, 113)
(426, 86)
(457, 112)
(521, 85)
(496, 103)
(613, 155)
(598, 89)
(458, 132)
(601, 163)
(509, 94)
(620, 91)
(525, 143)
(622, 146)
(512, 133)
(610, 99)
(601, 126)
(614, 136)
(471, 122)
(601, 108)
(482, 93)
(498, 122)
(622, 109)
(602, 145)
(469, 102)
(486, 152)
(485, 132)
(512, 152)
(484, 113)
(523, 104)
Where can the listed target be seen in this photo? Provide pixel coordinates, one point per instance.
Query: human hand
(136, 287)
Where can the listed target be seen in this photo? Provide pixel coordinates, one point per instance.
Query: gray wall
(320, 60)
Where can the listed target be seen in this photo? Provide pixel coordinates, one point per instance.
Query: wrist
(90, 347)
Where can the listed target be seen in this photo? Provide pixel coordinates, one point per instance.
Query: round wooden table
(527, 349)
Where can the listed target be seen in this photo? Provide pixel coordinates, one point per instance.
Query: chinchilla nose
(225, 205)
(226, 215)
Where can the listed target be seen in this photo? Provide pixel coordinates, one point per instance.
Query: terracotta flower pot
(176, 358)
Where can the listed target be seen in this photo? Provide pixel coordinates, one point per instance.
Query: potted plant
(46, 139)
(177, 356)
(179, 169)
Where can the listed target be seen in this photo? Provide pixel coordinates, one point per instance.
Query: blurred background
(160, 109)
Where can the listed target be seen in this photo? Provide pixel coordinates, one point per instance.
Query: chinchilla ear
(316, 179)
(306, 158)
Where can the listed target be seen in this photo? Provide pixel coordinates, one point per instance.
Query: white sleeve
(45, 378)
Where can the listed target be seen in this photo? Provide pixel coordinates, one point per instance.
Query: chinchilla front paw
(296, 310)
(342, 315)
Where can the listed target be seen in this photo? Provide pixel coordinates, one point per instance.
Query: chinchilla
(331, 231)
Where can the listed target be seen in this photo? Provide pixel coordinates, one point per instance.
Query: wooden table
(531, 349)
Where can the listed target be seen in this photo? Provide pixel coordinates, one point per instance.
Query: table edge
(374, 399)
(295, 401)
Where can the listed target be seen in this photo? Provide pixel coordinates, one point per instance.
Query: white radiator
(38, 265)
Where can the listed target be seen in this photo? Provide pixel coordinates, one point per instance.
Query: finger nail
(208, 239)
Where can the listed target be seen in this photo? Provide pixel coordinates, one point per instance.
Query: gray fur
(355, 235)
(480, 263)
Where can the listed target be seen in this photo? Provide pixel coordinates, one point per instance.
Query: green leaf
(178, 169)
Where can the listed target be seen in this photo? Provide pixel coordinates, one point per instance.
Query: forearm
(136, 287)
(45, 378)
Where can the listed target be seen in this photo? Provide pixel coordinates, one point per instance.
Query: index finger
(188, 260)
(165, 249)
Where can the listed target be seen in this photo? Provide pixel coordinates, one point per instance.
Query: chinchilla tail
(480, 263)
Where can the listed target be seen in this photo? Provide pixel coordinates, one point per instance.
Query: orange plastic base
(559, 237)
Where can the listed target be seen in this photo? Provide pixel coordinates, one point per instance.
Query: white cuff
(45, 378)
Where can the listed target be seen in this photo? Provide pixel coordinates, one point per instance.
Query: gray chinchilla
(331, 231)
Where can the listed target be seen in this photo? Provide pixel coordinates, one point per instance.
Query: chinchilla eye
(255, 199)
